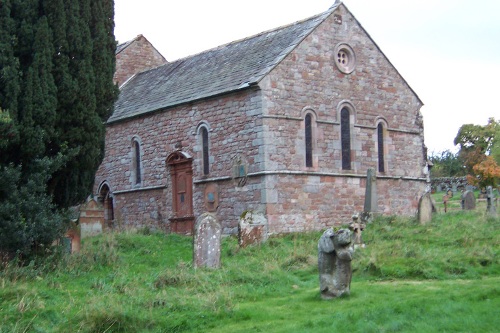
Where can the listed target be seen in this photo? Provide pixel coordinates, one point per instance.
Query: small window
(345, 138)
(380, 145)
(206, 156)
(345, 58)
(309, 144)
(137, 161)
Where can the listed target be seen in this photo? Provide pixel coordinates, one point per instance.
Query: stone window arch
(136, 174)
(310, 135)
(381, 146)
(347, 116)
(204, 142)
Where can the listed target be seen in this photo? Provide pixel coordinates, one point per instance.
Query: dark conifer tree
(56, 92)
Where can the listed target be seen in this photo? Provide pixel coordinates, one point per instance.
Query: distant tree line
(57, 60)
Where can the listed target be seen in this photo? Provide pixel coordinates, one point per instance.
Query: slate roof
(230, 67)
(122, 46)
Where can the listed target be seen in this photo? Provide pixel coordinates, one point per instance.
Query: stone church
(284, 124)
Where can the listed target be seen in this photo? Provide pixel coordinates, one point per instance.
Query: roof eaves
(244, 86)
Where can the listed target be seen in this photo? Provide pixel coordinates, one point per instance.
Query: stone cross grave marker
(491, 208)
(206, 242)
(370, 206)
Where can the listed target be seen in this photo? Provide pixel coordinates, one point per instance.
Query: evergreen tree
(56, 92)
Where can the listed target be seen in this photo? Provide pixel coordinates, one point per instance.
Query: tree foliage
(57, 60)
(447, 164)
(480, 151)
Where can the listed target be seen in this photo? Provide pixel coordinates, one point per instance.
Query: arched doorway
(106, 198)
(181, 174)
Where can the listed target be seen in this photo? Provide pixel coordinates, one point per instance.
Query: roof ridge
(236, 41)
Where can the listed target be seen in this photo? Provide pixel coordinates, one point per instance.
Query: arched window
(380, 146)
(309, 143)
(345, 138)
(205, 152)
(137, 161)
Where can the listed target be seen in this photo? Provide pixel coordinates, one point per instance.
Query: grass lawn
(440, 277)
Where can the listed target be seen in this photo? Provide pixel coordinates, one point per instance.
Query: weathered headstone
(334, 263)
(454, 188)
(468, 200)
(439, 188)
(207, 235)
(491, 208)
(425, 208)
(370, 206)
(252, 229)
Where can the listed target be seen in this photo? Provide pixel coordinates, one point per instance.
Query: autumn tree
(479, 151)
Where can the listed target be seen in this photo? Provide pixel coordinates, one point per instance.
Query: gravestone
(370, 206)
(252, 229)
(334, 263)
(439, 188)
(490, 202)
(206, 242)
(425, 208)
(454, 188)
(468, 200)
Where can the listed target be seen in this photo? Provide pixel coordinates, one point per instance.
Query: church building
(284, 124)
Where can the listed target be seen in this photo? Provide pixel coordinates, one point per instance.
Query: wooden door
(181, 173)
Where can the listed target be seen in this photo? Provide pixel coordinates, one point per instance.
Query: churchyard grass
(442, 276)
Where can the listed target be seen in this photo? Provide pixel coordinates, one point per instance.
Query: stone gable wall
(136, 57)
(307, 80)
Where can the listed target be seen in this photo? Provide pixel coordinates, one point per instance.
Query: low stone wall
(443, 184)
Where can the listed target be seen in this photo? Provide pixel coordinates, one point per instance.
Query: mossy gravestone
(206, 242)
(425, 208)
(334, 263)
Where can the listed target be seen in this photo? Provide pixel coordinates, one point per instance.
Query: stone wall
(443, 184)
(234, 131)
(308, 82)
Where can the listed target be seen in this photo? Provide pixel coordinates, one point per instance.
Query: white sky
(447, 50)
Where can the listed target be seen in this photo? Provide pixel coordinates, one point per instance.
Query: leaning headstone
(334, 263)
(370, 206)
(468, 200)
(491, 208)
(425, 208)
(252, 229)
(207, 235)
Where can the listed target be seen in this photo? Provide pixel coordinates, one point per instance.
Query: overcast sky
(447, 50)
